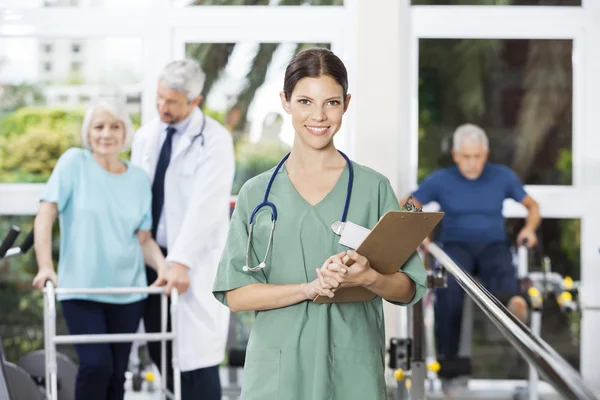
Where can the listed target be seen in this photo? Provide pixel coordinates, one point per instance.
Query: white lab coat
(198, 186)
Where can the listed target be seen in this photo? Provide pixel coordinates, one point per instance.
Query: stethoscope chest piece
(338, 227)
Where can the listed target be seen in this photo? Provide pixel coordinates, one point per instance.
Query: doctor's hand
(358, 274)
(174, 276)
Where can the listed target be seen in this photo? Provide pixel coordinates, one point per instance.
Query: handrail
(565, 379)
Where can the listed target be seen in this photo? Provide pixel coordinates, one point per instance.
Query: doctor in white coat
(189, 158)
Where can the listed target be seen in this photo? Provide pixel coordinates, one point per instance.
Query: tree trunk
(548, 85)
(474, 57)
(213, 58)
(254, 80)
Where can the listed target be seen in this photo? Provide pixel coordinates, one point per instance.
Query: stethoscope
(198, 135)
(337, 226)
(201, 133)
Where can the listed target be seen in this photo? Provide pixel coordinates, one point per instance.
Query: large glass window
(243, 82)
(77, 3)
(22, 307)
(519, 91)
(45, 87)
(496, 2)
(185, 3)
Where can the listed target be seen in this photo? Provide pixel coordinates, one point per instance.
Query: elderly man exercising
(471, 193)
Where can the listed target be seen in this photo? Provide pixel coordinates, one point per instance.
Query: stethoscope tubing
(267, 203)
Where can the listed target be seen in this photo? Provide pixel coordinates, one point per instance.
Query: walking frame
(51, 339)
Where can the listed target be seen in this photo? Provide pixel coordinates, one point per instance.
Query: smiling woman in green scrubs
(299, 349)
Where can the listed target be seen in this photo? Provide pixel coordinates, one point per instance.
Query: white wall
(381, 99)
(590, 229)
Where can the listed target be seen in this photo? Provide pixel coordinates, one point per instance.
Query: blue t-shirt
(473, 207)
(99, 214)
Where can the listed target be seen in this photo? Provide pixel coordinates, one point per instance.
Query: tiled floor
(156, 394)
(478, 389)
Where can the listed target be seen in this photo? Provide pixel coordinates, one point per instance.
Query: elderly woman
(104, 209)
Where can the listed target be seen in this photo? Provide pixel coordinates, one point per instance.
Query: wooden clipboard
(390, 244)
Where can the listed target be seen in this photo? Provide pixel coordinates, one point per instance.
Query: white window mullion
(157, 53)
(271, 23)
(496, 21)
(555, 202)
(20, 198)
(589, 59)
(79, 22)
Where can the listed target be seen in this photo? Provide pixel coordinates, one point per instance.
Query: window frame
(163, 30)
(510, 22)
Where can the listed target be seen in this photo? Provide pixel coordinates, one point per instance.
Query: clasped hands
(335, 274)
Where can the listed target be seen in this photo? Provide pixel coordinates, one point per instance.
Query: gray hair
(115, 109)
(184, 76)
(469, 133)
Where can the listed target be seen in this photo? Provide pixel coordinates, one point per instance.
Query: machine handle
(27, 243)
(9, 239)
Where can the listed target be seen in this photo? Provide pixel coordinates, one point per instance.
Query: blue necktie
(158, 185)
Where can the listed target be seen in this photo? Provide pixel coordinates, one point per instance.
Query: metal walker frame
(51, 339)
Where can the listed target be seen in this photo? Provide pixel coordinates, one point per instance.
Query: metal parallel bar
(175, 344)
(417, 329)
(51, 366)
(536, 328)
(148, 290)
(163, 344)
(46, 342)
(418, 365)
(429, 327)
(419, 375)
(112, 338)
(550, 365)
(567, 368)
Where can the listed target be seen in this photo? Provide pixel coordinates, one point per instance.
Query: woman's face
(107, 133)
(317, 106)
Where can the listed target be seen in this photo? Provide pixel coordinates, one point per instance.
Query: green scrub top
(310, 351)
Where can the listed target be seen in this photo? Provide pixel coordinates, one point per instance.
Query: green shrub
(254, 159)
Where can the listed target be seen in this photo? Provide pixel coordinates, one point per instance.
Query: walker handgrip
(27, 243)
(9, 239)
